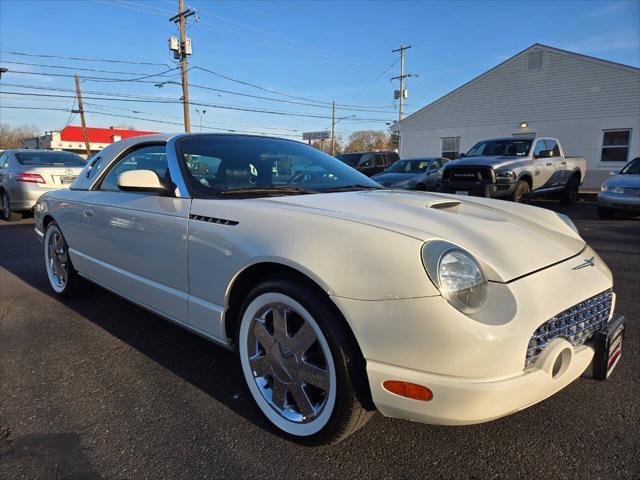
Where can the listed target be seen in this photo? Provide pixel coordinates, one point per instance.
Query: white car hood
(510, 239)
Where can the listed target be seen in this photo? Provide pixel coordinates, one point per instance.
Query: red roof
(98, 135)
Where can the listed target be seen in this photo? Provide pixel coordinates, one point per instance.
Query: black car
(369, 163)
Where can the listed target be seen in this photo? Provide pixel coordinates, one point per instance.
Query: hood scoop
(444, 204)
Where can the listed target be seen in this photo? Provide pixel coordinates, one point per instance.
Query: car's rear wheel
(63, 278)
(521, 192)
(5, 208)
(295, 355)
(606, 212)
(569, 195)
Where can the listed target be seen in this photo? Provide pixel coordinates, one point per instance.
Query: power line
(84, 59)
(74, 68)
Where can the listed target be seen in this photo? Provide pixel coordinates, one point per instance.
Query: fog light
(409, 390)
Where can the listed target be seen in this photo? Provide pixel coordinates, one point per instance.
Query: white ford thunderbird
(339, 296)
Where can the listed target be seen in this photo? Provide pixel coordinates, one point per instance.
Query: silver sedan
(621, 192)
(27, 174)
(412, 174)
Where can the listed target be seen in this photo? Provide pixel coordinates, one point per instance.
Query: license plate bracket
(608, 348)
(66, 180)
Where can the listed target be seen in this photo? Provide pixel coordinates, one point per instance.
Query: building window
(451, 147)
(615, 145)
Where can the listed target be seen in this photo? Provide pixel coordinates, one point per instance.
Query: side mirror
(140, 181)
(462, 155)
(613, 173)
(545, 154)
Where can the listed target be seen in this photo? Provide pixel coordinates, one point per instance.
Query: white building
(591, 105)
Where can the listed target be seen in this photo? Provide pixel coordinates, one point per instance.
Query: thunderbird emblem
(588, 262)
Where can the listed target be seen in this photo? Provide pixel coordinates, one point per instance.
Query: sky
(303, 54)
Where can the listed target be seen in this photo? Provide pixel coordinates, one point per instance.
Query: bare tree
(12, 137)
(367, 140)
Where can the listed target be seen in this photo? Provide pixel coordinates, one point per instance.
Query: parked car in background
(369, 163)
(516, 168)
(621, 192)
(412, 174)
(27, 174)
(274, 249)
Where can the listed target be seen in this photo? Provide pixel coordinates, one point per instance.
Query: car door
(366, 165)
(379, 163)
(542, 166)
(559, 167)
(431, 178)
(135, 242)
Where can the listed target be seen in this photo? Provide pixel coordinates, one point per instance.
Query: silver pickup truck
(515, 168)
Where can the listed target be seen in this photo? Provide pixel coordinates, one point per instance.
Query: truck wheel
(522, 190)
(606, 212)
(569, 195)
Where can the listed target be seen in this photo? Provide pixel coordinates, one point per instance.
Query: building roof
(523, 52)
(98, 135)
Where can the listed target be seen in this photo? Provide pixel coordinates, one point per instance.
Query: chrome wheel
(57, 259)
(287, 364)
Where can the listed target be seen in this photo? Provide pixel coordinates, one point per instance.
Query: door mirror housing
(613, 173)
(140, 181)
(545, 154)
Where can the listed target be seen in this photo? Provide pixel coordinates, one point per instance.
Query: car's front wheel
(297, 359)
(63, 278)
(521, 192)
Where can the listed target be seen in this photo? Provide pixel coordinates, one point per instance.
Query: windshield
(350, 159)
(409, 166)
(218, 165)
(632, 168)
(50, 159)
(494, 148)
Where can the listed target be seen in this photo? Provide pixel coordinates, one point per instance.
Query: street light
(3, 70)
(201, 115)
(333, 132)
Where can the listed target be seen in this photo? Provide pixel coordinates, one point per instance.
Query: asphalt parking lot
(98, 388)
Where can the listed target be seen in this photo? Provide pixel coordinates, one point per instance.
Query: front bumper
(618, 201)
(479, 189)
(475, 367)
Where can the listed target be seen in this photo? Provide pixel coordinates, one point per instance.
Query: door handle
(563, 163)
(87, 213)
(549, 164)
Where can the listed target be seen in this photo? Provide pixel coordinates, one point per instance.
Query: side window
(435, 165)
(366, 160)
(151, 157)
(4, 160)
(539, 147)
(94, 167)
(553, 145)
(380, 160)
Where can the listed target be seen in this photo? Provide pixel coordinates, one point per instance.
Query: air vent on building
(535, 60)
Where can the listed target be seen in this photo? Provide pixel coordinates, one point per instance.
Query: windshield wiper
(273, 190)
(355, 186)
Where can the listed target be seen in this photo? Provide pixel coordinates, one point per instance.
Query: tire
(302, 381)
(5, 209)
(63, 278)
(606, 212)
(421, 187)
(521, 192)
(569, 195)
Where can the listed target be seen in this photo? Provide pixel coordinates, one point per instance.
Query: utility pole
(402, 93)
(182, 53)
(80, 110)
(333, 128)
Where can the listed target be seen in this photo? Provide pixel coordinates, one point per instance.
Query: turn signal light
(409, 390)
(29, 178)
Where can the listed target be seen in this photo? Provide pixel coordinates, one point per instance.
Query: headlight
(505, 175)
(457, 274)
(404, 183)
(569, 222)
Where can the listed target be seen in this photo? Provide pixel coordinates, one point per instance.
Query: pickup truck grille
(575, 324)
(468, 174)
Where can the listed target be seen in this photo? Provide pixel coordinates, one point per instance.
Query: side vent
(219, 221)
(535, 60)
(444, 204)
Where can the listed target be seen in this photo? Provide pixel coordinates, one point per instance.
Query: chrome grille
(575, 324)
(631, 191)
